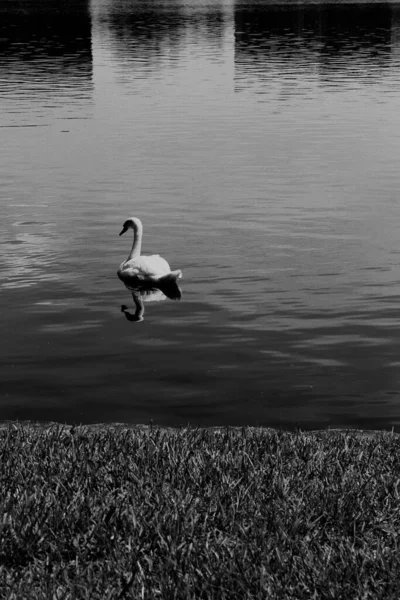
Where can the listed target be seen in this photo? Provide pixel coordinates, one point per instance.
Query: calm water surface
(260, 145)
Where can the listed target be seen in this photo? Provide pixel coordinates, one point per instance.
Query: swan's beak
(123, 231)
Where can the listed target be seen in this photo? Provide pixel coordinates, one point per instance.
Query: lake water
(260, 145)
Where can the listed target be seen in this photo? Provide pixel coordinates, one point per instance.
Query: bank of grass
(110, 512)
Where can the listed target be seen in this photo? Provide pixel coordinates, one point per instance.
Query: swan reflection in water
(149, 293)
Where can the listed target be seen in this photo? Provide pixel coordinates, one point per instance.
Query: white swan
(137, 269)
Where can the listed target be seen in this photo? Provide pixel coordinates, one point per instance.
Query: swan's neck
(137, 241)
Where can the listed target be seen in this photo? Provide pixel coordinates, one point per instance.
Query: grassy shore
(110, 512)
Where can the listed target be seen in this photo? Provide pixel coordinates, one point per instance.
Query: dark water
(260, 145)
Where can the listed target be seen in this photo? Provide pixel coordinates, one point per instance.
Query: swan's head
(133, 223)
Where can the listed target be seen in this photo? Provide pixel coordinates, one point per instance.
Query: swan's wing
(146, 267)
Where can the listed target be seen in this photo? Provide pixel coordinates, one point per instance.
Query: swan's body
(144, 268)
(136, 269)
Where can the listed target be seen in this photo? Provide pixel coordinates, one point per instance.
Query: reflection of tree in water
(46, 40)
(335, 39)
(148, 32)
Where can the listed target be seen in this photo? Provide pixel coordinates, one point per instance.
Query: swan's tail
(168, 285)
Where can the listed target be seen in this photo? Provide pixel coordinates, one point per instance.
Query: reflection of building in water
(395, 33)
(150, 32)
(327, 41)
(46, 47)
